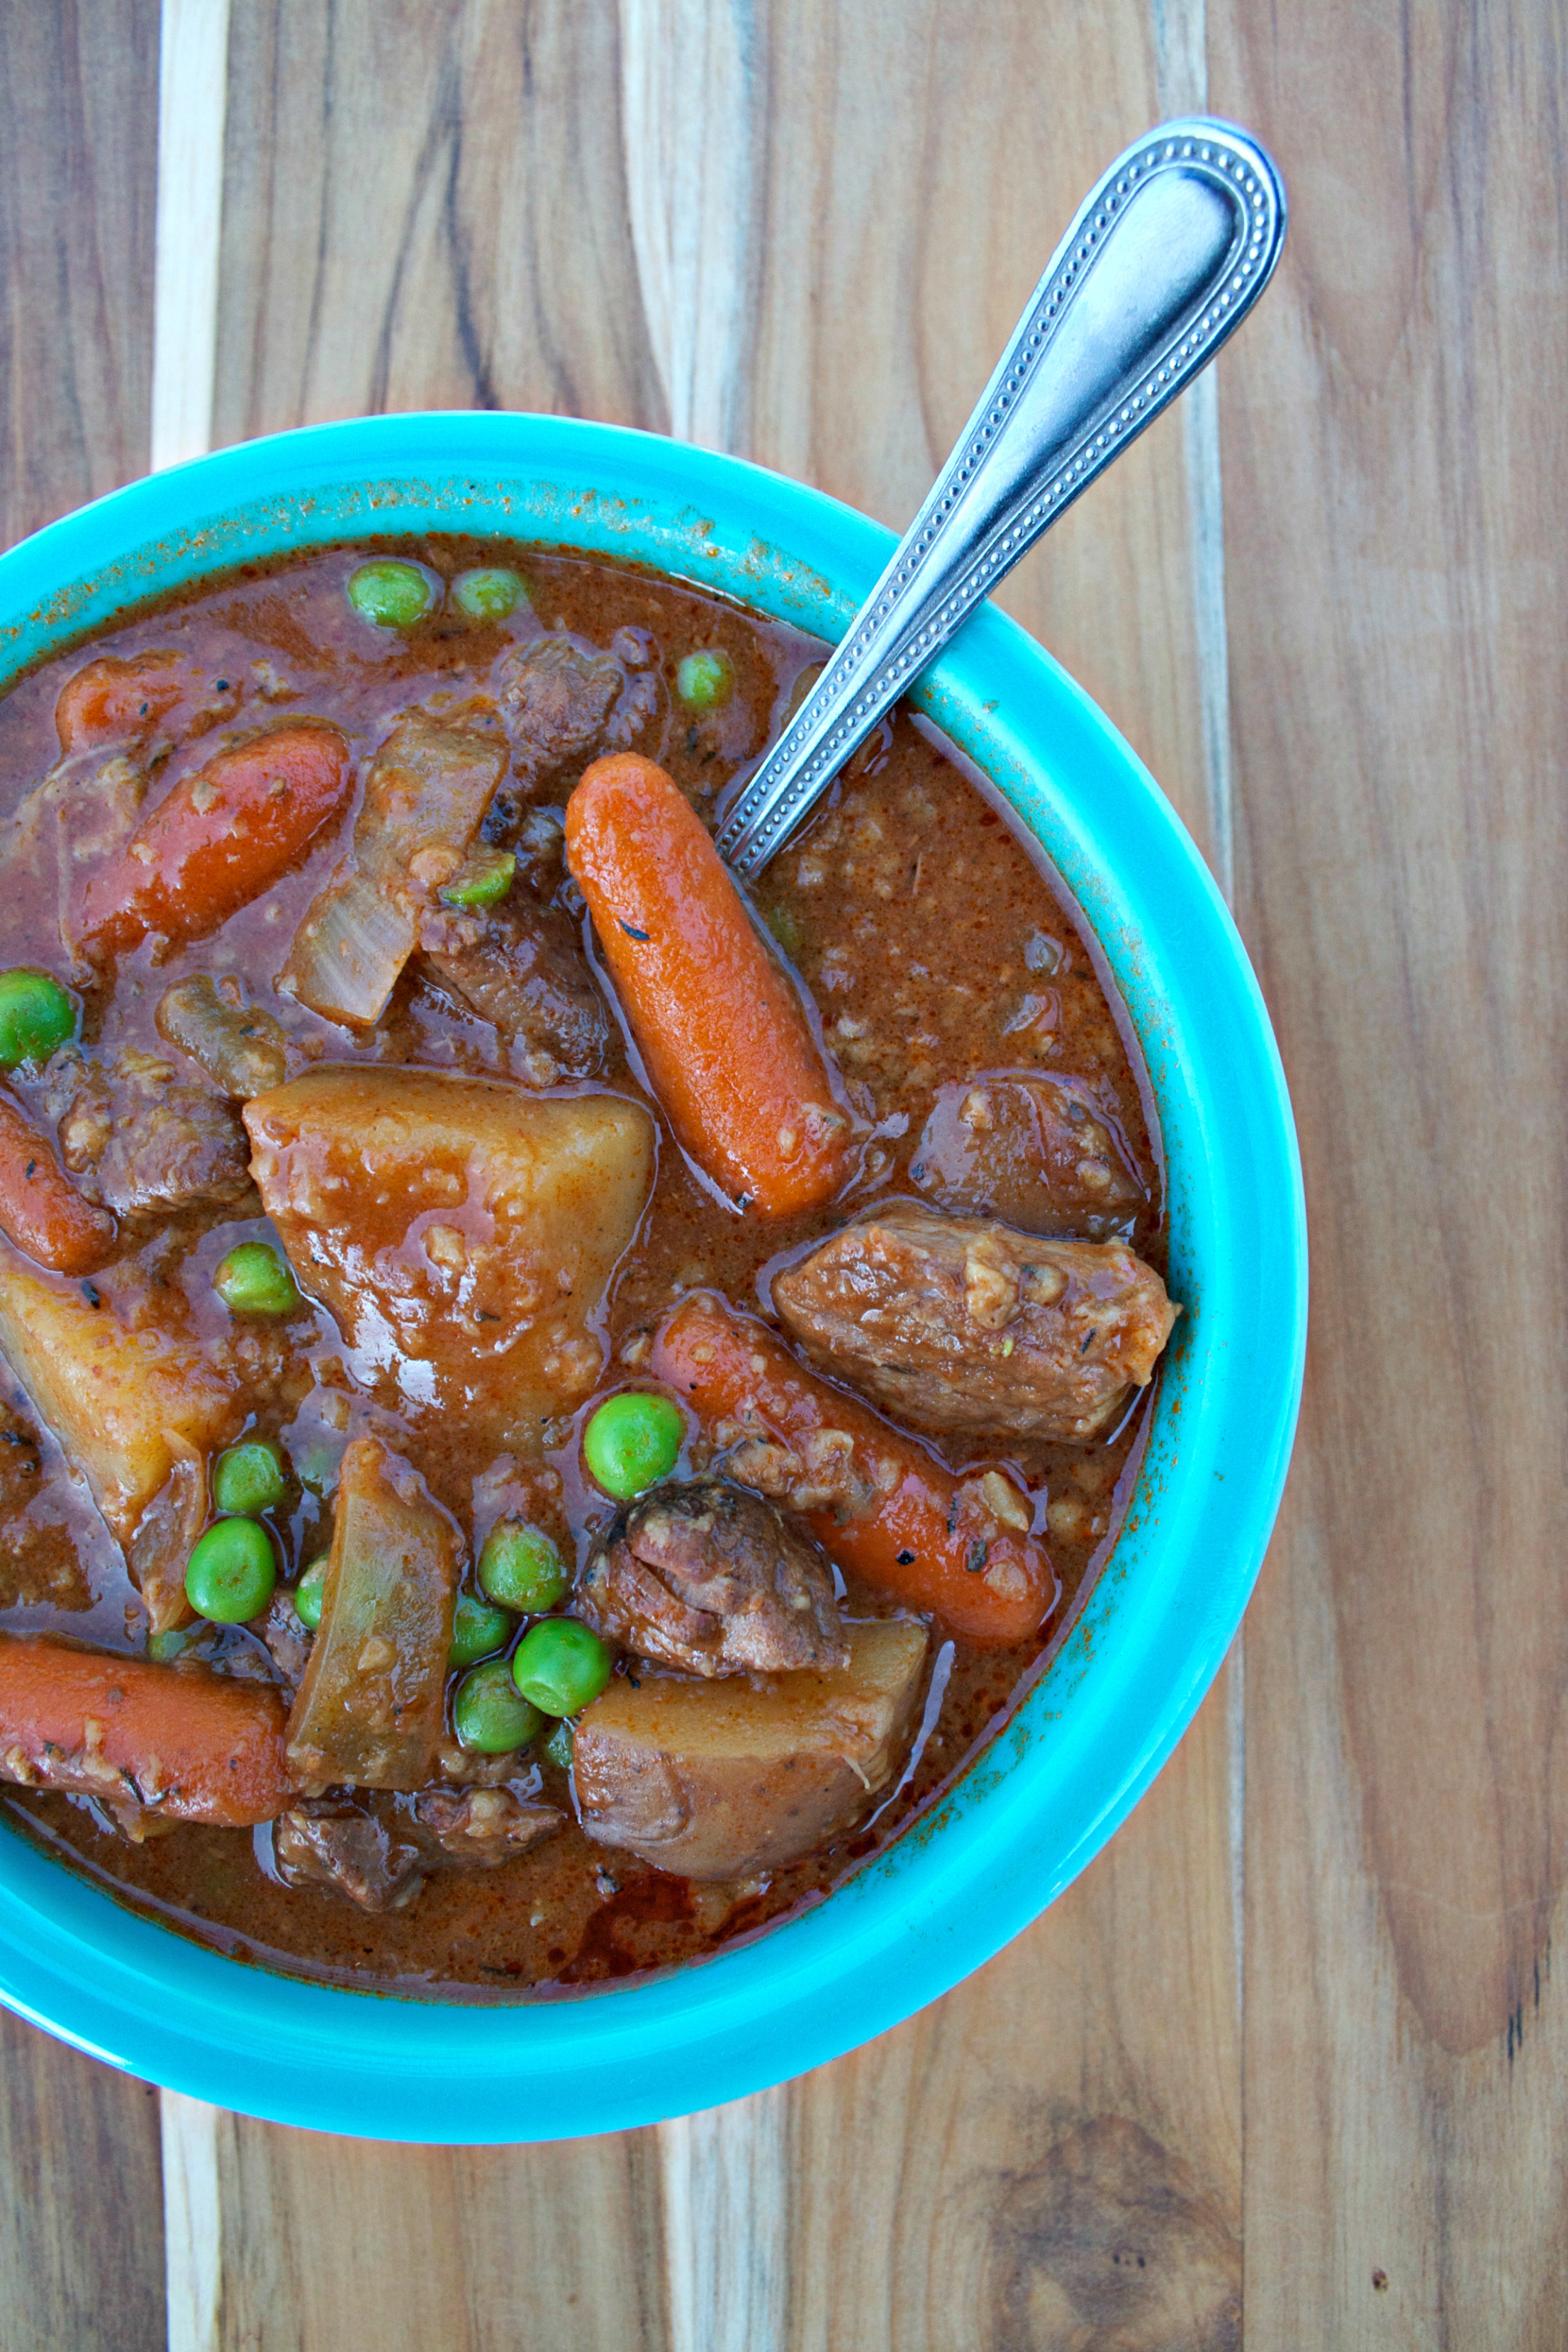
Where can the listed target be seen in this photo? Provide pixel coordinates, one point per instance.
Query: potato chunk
(461, 1231)
(132, 1408)
(368, 1713)
(713, 1780)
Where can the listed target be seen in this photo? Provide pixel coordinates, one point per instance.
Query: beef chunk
(475, 1829)
(964, 1325)
(348, 1851)
(713, 1579)
(378, 1855)
(555, 701)
(140, 1143)
(520, 967)
(238, 1045)
(288, 1640)
(1036, 1151)
(539, 845)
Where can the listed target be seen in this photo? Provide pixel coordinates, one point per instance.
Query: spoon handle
(1168, 254)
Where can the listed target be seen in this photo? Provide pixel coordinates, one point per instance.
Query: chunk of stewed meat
(967, 1326)
(238, 1045)
(378, 1855)
(288, 1639)
(1034, 1152)
(349, 1850)
(555, 700)
(141, 1142)
(517, 966)
(476, 1829)
(716, 1581)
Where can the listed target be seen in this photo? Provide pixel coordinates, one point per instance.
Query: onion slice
(425, 799)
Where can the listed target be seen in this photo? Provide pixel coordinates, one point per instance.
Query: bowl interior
(1049, 1791)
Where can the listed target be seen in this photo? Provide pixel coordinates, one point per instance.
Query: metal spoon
(1168, 254)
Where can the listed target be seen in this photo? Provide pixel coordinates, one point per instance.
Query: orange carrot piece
(724, 1035)
(221, 836)
(118, 701)
(194, 1746)
(40, 1208)
(956, 1544)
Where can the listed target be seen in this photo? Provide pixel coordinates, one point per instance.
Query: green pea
(166, 1647)
(391, 595)
(308, 1593)
(705, 681)
(231, 1572)
(254, 1280)
(557, 1749)
(633, 1440)
(488, 594)
(488, 1714)
(520, 1568)
(476, 1631)
(483, 878)
(37, 1014)
(560, 1665)
(249, 1477)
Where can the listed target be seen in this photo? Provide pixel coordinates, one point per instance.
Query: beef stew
(689, 1358)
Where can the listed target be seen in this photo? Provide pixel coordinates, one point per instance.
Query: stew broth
(932, 946)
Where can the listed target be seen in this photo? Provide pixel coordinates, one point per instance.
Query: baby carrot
(959, 1545)
(193, 1746)
(724, 1036)
(40, 1208)
(220, 837)
(117, 701)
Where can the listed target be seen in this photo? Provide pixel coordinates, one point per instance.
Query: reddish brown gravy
(933, 943)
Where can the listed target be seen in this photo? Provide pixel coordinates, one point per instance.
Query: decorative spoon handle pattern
(1168, 254)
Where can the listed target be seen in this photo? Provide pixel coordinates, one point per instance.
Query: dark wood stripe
(1396, 509)
(79, 132)
(424, 206)
(81, 2245)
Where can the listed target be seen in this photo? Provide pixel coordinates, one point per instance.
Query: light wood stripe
(694, 202)
(727, 2226)
(694, 206)
(1180, 31)
(192, 2223)
(192, 78)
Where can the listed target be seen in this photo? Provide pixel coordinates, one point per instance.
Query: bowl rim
(1044, 1797)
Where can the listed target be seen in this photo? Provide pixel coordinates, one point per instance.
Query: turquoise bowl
(1045, 1796)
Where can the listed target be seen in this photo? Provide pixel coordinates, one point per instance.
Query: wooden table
(1287, 2061)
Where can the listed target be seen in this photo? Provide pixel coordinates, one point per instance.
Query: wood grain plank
(919, 165)
(82, 2250)
(426, 207)
(80, 2242)
(977, 2178)
(330, 2240)
(78, 166)
(1396, 514)
(192, 84)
